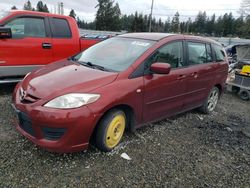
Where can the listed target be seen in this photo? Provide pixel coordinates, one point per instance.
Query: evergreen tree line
(223, 26)
(40, 7)
(109, 17)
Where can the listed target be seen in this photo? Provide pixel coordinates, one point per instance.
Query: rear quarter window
(219, 53)
(61, 28)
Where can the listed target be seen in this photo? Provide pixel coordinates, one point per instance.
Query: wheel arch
(219, 86)
(129, 112)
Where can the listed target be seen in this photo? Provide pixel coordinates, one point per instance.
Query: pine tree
(108, 15)
(80, 22)
(228, 24)
(40, 7)
(45, 8)
(72, 14)
(167, 26)
(13, 8)
(210, 25)
(246, 28)
(175, 25)
(138, 23)
(160, 26)
(27, 6)
(145, 23)
(200, 22)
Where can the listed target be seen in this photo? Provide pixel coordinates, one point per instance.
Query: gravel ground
(189, 150)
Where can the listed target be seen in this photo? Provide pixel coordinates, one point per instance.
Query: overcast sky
(86, 10)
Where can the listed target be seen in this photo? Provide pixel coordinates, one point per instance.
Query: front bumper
(55, 130)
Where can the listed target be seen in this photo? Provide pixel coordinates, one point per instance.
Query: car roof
(147, 36)
(204, 39)
(159, 36)
(27, 12)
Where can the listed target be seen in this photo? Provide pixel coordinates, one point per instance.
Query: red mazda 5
(121, 83)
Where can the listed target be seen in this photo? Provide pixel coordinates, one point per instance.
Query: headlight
(72, 100)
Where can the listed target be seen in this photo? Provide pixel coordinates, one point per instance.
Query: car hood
(65, 77)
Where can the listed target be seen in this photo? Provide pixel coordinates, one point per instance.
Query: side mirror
(160, 68)
(5, 33)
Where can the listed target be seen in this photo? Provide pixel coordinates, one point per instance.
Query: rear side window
(199, 53)
(27, 27)
(219, 53)
(60, 28)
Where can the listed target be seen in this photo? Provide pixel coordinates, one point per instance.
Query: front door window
(27, 27)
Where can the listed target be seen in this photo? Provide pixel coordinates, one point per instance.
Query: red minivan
(121, 83)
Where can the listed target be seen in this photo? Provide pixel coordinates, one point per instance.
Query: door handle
(181, 77)
(194, 74)
(46, 45)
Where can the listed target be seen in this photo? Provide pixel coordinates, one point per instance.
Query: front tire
(211, 101)
(110, 130)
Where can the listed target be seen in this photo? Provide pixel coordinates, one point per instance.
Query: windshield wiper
(94, 66)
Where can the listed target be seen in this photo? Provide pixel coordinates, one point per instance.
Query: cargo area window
(27, 27)
(60, 28)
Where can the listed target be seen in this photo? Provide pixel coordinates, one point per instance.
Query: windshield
(115, 54)
(3, 14)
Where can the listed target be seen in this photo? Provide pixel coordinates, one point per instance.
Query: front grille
(53, 133)
(25, 123)
(27, 98)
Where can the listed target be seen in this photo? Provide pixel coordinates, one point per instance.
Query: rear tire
(110, 130)
(211, 101)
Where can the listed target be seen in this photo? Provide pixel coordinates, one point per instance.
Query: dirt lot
(189, 150)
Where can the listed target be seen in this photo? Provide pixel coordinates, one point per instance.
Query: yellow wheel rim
(115, 131)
